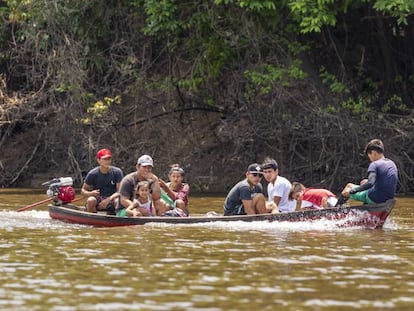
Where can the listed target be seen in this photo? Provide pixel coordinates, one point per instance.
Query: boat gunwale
(74, 214)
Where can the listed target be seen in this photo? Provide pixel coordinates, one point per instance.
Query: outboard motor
(60, 190)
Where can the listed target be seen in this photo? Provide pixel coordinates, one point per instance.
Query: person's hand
(153, 177)
(271, 207)
(275, 210)
(104, 203)
(95, 193)
(345, 192)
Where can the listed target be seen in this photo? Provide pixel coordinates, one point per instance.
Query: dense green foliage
(289, 78)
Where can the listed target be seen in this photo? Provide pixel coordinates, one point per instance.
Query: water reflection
(49, 265)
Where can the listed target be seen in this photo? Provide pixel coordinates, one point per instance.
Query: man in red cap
(101, 184)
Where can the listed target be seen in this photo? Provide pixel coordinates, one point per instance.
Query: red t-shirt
(315, 196)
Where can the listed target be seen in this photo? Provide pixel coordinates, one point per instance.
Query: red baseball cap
(103, 154)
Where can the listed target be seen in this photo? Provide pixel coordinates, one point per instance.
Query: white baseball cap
(145, 160)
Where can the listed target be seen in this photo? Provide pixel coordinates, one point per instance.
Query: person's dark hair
(176, 168)
(269, 163)
(142, 184)
(374, 145)
(296, 187)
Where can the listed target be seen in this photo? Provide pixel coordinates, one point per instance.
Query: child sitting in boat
(175, 192)
(142, 204)
(312, 198)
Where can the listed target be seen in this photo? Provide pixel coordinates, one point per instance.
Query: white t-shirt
(306, 204)
(281, 188)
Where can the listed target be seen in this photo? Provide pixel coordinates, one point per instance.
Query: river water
(49, 265)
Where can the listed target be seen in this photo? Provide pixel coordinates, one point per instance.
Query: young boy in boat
(246, 197)
(382, 180)
(142, 204)
(129, 183)
(312, 198)
(101, 184)
(278, 189)
(175, 192)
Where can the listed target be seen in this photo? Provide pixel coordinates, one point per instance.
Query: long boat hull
(370, 216)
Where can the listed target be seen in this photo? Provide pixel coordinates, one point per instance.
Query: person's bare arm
(248, 207)
(275, 205)
(156, 190)
(87, 191)
(132, 211)
(116, 194)
(276, 200)
(118, 185)
(125, 201)
(167, 190)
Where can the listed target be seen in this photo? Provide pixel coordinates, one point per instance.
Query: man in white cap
(143, 173)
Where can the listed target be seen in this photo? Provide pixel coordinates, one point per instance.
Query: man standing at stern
(246, 197)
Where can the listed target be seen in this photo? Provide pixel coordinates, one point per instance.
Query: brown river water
(49, 265)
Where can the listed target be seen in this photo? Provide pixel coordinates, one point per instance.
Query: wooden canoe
(370, 216)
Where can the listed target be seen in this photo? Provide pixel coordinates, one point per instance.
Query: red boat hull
(370, 216)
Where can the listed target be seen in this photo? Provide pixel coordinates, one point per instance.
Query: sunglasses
(256, 174)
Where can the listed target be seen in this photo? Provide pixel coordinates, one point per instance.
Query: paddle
(40, 203)
(33, 205)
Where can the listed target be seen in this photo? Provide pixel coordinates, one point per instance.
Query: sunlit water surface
(49, 265)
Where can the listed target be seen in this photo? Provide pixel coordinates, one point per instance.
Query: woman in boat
(175, 192)
(142, 204)
(382, 180)
(246, 197)
(312, 198)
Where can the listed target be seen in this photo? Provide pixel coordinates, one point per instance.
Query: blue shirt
(386, 181)
(106, 183)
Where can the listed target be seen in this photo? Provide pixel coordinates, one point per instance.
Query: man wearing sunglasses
(246, 197)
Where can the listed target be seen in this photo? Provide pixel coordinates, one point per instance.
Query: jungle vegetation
(211, 84)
